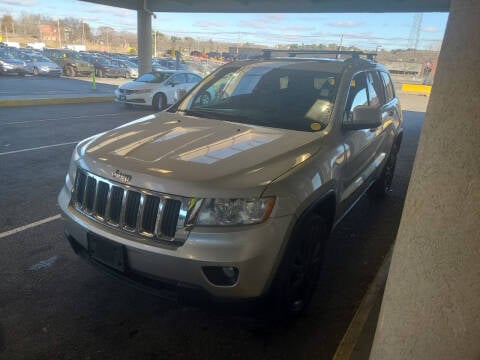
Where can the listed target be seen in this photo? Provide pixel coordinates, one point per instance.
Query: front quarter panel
(298, 188)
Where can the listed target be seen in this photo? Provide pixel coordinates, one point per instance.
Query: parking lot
(54, 306)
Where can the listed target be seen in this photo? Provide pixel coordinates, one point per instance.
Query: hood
(13, 61)
(194, 156)
(139, 85)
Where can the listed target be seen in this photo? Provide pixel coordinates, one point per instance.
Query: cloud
(273, 17)
(110, 10)
(208, 24)
(263, 21)
(430, 29)
(253, 23)
(345, 24)
(19, 2)
(296, 28)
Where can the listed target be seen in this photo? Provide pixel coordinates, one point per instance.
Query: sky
(367, 31)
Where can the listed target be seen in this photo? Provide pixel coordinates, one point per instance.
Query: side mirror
(174, 83)
(364, 117)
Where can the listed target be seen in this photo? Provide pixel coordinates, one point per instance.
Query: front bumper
(12, 70)
(50, 72)
(253, 250)
(137, 99)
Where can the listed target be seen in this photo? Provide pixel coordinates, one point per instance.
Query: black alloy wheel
(159, 102)
(298, 274)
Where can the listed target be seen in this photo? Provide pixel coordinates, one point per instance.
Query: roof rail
(267, 53)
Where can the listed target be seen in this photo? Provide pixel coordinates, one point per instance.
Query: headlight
(224, 212)
(146, 91)
(72, 169)
(44, 68)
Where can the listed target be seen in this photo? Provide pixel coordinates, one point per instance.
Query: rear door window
(389, 90)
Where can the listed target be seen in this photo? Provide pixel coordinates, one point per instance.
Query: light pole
(83, 32)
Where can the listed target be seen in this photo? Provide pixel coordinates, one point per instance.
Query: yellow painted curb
(56, 101)
(417, 88)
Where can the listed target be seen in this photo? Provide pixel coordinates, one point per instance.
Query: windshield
(127, 63)
(154, 77)
(6, 55)
(74, 55)
(289, 97)
(103, 61)
(40, 59)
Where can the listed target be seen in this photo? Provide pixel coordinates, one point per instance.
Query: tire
(69, 71)
(205, 98)
(128, 105)
(99, 73)
(126, 75)
(383, 185)
(159, 102)
(35, 71)
(297, 276)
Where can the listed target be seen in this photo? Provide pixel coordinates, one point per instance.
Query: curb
(56, 101)
(416, 88)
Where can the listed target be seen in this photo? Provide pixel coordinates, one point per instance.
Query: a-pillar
(431, 305)
(144, 37)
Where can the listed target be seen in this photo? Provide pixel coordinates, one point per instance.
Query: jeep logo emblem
(121, 176)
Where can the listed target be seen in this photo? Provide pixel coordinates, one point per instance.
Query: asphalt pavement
(43, 90)
(55, 306)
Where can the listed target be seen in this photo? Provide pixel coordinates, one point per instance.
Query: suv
(233, 190)
(104, 67)
(70, 61)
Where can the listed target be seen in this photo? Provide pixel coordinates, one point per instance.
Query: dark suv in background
(71, 62)
(104, 67)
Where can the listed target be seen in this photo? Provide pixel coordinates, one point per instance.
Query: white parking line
(36, 148)
(29, 226)
(57, 119)
(352, 335)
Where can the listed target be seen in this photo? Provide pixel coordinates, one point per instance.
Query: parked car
(104, 67)
(40, 65)
(234, 194)
(159, 64)
(130, 67)
(9, 64)
(70, 61)
(157, 89)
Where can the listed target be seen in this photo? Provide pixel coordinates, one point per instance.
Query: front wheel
(35, 71)
(69, 71)
(159, 102)
(297, 276)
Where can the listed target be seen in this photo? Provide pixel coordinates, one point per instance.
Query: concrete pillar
(431, 305)
(144, 37)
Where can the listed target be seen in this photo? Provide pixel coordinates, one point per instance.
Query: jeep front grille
(133, 210)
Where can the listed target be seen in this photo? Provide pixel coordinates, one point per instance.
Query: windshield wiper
(218, 114)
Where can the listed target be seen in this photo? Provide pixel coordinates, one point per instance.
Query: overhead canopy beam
(283, 6)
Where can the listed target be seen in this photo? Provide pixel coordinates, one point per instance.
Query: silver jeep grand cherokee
(234, 190)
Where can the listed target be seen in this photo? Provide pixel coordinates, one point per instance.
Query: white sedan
(158, 89)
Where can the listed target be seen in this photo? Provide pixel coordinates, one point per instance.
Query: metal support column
(144, 37)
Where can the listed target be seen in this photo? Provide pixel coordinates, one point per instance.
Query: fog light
(221, 275)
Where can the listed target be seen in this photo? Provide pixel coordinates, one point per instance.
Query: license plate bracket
(107, 252)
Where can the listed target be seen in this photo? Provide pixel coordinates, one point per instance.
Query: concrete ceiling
(282, 6)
